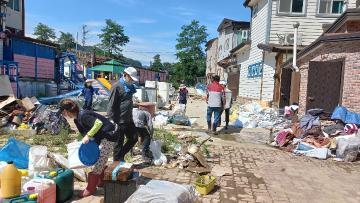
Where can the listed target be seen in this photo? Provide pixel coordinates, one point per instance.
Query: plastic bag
(159, 157)
(180, 120)
(347, 146)
(339, 113)
(160, 121)
(73, 155)
(38, 160)
(157, 191)
(179, 109)
(15, 151)
(319, 153)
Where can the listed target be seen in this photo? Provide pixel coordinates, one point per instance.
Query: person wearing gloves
(120, 112)
(88, 92)
(92, 126)
(144, 127)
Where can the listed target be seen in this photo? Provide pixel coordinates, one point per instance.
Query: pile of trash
(29, 117)
(317, 135)
(253, 115)
(177, 117)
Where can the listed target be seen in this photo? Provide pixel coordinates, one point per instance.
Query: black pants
(145, 139)
(121, 149)
(88, 104)
(227, 116)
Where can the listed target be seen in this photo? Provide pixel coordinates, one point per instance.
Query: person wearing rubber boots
(120, 112)
(92, 126)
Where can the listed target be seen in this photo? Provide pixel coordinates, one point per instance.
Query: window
(329, 7)
(227, 42)
(291, 7)
(244, 35)
(14, 4)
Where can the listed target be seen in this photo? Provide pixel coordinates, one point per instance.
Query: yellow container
(10, 182)
(205, 184)
(23, 172)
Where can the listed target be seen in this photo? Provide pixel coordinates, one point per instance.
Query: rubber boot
(101, 179)
(93, 181)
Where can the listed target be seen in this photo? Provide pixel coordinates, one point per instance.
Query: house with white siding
(231, 34)
(272, 38)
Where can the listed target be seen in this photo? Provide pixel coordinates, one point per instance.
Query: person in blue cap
(92, 126)
(88, 92)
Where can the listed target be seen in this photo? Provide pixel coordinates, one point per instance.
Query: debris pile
(318, 135)
(253, 115)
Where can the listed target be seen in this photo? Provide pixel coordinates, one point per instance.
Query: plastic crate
(205, 184)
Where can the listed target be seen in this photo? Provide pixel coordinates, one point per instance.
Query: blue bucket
(89, 153)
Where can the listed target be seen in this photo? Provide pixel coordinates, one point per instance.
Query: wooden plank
(63, 162)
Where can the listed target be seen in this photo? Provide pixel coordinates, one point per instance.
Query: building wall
(350, 51)
(212, 59)
(226, 35)
(310, 24)
(250, 87)
(14, 19)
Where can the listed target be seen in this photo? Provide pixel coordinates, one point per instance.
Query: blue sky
(152, 25)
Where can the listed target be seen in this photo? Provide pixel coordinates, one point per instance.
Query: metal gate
(324, 85)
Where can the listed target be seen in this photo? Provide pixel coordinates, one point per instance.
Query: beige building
(212, 68)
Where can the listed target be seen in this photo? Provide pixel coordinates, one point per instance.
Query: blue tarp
(17, 152)
(346, 116)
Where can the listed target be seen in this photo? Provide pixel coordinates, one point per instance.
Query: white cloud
(145, 21)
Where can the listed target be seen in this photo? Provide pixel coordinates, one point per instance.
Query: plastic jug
(32, 198)
(10, 181)
(45, 188)
(64, 180)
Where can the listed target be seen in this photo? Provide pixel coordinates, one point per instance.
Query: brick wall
(350, 52)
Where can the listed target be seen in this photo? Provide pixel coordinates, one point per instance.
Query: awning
(111, 66)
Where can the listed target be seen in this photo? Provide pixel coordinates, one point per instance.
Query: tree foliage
(190, 52)
(156, 65)
(44, 32)
(66, 41)
(113, 37)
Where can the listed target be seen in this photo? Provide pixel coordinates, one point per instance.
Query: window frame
(292, 14)
(327, 15)
(12, 7)
(227, 44)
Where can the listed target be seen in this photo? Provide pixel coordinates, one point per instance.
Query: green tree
(66, 41)
(167, 66)
(190, 52)
(113, 37)
(44, 32)
(156, 65)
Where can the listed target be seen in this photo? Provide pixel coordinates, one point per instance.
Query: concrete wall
(212, 59)
(32, 88)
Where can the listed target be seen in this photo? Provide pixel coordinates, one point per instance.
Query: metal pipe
(296, 27)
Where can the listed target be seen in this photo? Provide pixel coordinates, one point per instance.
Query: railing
(11, 69)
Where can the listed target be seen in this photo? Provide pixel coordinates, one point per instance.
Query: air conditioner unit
(289, 39)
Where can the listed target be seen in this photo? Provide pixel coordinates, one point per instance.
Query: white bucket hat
(132, 72)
